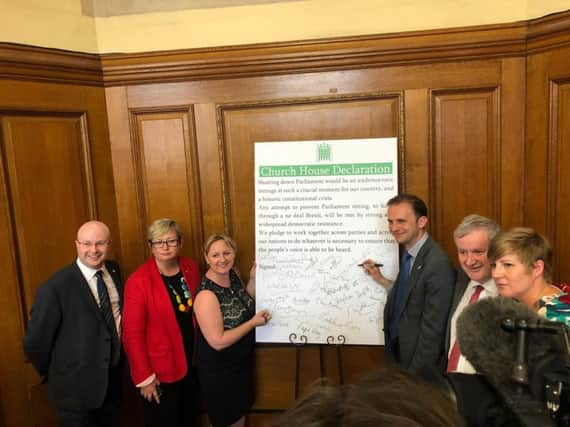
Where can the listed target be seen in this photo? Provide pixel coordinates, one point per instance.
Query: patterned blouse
(236, 304)
(555, 308)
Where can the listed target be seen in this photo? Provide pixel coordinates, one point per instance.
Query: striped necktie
(107, 312)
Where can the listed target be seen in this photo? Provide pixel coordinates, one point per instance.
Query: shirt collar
(89, 272)
(489, 285)
(414, 250)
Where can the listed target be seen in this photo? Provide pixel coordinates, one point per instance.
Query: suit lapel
(460, 286)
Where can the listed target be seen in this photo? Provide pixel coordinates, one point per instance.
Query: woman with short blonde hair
(159, 329)
(521, 265)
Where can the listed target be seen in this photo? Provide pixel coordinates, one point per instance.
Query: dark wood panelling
(512, 133)
(123, 162)
(294, 120)
(559, 187)
(548, 32)
(316, 55)
(275, 373)
(416, 149)
(54, 175)
(167, 172)
(20, 62)
(466, 165)
(15, 376)
(42, 153)
(348, 83)
(60, 99)
(547, 128)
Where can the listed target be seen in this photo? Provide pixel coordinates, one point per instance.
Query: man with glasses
(73, 335)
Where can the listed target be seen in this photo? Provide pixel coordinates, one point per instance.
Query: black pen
(375, 265)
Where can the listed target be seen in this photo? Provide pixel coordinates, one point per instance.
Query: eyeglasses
(160, 243)
(87, 244)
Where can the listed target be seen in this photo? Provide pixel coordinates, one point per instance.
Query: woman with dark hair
(225, 311)
(159, 329)
(388, 397)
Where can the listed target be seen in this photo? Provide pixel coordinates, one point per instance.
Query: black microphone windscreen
(483, 342)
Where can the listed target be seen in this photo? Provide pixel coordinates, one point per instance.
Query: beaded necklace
(182, 306)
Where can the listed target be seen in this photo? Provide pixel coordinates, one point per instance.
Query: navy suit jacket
(68, 341)
(423, 311)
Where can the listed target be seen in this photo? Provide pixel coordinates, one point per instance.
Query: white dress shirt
(489, 291)
(89, 274)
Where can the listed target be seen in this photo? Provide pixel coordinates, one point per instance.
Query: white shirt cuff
(147, 381)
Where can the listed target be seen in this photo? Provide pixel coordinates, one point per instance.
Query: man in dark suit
(73, 333)
(417, 307)
(474, 282)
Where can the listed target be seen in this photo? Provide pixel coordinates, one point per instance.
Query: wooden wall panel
(372, 117)
(512, 134)
(43, 153)
(466, 165)
(548, 126)
(54, 175)
(452, 116)
(559, 186)
(167, 174)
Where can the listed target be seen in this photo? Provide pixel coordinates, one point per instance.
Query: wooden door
(47, 185)
(54, 176)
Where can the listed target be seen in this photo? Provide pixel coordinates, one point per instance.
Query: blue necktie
(107, 312)
(399, 289)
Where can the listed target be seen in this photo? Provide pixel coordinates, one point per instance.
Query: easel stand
(338, 343)
(298, 344)
(302, 341)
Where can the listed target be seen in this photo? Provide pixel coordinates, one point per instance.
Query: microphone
(535, 325)
(518, 354)
(489, 347)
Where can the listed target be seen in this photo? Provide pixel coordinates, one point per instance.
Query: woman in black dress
(225, 311)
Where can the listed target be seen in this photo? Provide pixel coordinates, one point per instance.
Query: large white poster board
(320, 210)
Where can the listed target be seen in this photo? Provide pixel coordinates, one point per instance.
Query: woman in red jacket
(158, 328)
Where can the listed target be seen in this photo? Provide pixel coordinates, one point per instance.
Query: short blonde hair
(527, 244)
(161, 226)
(217, 237)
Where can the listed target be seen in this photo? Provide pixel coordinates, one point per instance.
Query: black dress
(178, 400)
(226, 376)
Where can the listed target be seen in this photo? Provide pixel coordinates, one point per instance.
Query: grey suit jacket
(423, 311)
(68, 341)
(461, 282)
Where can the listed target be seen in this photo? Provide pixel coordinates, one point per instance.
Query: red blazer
(151, 336)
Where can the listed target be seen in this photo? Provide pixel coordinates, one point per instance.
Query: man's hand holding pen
(372, 268)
